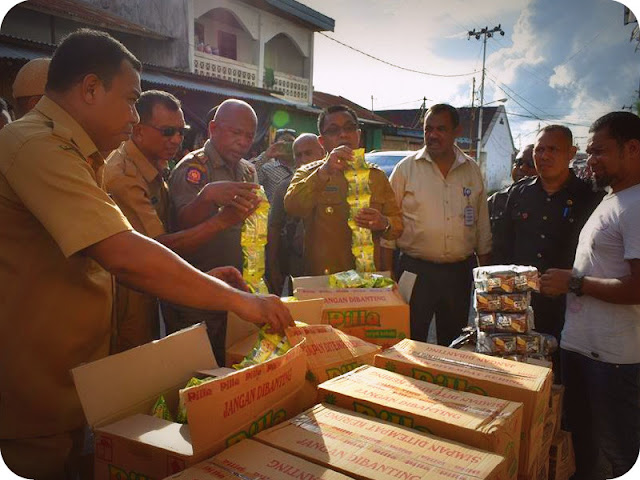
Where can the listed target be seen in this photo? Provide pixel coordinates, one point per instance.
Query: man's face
(113, 111)
(307, 150)
(160, 138)
(439, 134)
(524, 166)
(605, 158)
(339, 129)
(552, 153)
(232, 138)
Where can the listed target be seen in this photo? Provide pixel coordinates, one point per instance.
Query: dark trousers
(602, 412)
(443, 289)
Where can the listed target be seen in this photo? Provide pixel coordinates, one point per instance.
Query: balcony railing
(294, 88)
(225, 69)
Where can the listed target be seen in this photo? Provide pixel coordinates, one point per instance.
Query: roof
(82, 12)
(324, 100)
(411, 119)
(297, 12)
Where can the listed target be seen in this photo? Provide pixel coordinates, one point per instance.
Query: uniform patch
(194, 175)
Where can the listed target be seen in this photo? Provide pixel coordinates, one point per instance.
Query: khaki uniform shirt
(191, 174)
(142, 194)
(324, 208)
(55, 301)
(434, 208)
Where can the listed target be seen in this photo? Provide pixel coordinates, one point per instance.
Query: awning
(17, 52)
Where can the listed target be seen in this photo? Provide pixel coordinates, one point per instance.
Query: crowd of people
(101, 234)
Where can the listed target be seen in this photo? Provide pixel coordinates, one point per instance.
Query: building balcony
(295, 89)
(223, 68)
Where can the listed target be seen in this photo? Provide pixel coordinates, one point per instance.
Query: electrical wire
(398, 66)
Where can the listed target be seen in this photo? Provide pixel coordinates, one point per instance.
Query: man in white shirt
(444, 210)
(601, 337)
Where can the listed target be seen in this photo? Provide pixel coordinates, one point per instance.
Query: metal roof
(297, 11)
(15, 51)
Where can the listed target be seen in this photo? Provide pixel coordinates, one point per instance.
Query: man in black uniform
(542, 220)
(522, 167)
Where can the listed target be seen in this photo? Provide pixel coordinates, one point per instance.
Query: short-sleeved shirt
(446, 219)
(140, 191)
(56, 302)
(189, 177)
(271, 174)
(540, 229)
(324, 208)
(611, 237)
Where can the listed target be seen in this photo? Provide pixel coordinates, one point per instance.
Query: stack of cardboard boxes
(412, 411)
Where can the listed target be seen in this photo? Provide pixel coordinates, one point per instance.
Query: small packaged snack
(160, 409)
(515, 302)
(519, 322)
(487, 302)
(528, 344)
(549, 344)
(506, 278)
(486, 321)
(496, 344)
(527, 278)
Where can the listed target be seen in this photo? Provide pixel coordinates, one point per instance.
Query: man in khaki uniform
(134, 179)
(28, 86)
(206, 181)
(446, 219)
(318, 194)
(66, 236)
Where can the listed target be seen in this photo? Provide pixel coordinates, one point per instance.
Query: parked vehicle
(387, 160)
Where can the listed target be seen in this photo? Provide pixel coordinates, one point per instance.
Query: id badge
(469, 216)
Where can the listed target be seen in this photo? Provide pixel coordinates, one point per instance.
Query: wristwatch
(575, 284)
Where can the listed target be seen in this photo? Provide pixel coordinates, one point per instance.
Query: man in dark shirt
(543, 217)
(522, 167)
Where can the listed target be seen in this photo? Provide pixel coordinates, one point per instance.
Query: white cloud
(563, 76)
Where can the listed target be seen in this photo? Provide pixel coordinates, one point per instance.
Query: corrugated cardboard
(555, 405)
(480, 374)
(255, 460)
(367, 448)
(562, 462)
(330, 353)
(483, 422)
(117, 394)
(377, 315)
(242, 335)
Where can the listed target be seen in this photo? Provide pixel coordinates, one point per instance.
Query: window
(227, 45)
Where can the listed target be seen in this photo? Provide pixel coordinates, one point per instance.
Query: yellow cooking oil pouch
(359, 196)
(253, 241)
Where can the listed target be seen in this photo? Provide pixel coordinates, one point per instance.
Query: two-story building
(203, 51)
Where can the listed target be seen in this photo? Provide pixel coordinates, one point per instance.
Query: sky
(560, 61)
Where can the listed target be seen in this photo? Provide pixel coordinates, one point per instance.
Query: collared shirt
(445, 219)
(56, 302)
(324, 208)
(540, 229)
(271, 174)
(191, 174)
(497, 203)
(600, 330)
(142, 194)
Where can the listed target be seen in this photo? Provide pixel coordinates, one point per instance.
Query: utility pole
(486, 32)
(371, 103)
(473, 115)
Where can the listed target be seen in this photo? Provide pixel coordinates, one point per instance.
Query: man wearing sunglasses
(135, 179)
(318, 194)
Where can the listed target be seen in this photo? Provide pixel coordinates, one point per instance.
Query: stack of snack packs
(253, 240)
(354, 279)
(504, 318)
(358, 197)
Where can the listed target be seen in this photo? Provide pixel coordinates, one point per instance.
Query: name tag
(469, 216)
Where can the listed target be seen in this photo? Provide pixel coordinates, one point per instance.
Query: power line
(398, 66)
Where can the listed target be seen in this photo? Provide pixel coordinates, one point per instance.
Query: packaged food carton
(117, 394)
(255, 460)
(483, 422)
(367, 448)
(482, 375)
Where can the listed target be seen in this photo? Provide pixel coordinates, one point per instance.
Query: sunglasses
(170, 131)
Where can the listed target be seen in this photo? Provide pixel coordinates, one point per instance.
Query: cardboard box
(562, 461)
(377, 315)
(118, 392)
(255, 460)
(242, 335)
(366, 448)
(483, 422)
(330, 353)
(483, 375)
(555, 406)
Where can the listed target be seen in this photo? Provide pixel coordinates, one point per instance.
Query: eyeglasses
(335, 130)
(170, 131)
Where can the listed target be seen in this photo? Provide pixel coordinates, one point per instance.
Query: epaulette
(200, 156)
(312, 165)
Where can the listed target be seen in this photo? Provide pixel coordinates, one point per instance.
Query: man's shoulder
(248, 169)
(311, 167)
(523, 185)
(191, 169)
